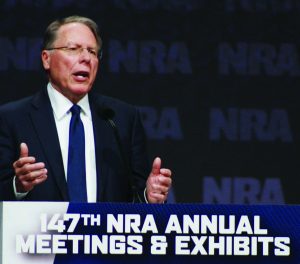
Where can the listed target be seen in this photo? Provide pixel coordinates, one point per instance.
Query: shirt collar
(61, 105)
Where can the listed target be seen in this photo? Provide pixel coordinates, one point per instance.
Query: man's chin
(80, 89)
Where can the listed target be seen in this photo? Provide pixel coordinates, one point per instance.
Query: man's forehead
(70, 32)
(73, 27)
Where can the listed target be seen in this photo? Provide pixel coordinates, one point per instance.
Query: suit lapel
(45, 128)
(104, 138)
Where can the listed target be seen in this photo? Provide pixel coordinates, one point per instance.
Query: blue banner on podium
(50, 232)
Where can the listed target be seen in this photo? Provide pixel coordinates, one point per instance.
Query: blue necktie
(76, 158)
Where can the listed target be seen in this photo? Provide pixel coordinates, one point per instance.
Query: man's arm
(139, 159)
(14, 165)
(28, 172)
(7, 157)
(155, 187)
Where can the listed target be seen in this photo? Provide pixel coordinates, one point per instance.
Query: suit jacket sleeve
(7, 156)
(139, 159)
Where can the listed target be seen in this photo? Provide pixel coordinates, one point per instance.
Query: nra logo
(244, 125)
(161, 124)
(254, 59)
(242, 190)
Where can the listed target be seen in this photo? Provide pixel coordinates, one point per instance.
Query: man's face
(72, 74)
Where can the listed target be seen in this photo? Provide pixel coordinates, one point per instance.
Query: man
(38, 154)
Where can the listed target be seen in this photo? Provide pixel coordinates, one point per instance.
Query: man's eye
(73, 48)
(93, 52)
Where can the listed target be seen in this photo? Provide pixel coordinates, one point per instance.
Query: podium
(61, 232)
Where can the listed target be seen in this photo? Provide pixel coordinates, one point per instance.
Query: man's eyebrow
(79, 45)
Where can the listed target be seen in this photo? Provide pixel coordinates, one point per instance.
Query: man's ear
(46, 59)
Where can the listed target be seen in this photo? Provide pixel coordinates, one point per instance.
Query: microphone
(108, 114)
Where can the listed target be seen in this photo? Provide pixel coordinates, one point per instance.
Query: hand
(28, 172)
(158, 183)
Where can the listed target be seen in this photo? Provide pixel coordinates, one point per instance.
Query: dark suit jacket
(31, 120)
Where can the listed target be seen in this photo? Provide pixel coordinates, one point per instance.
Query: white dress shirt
(62, 116)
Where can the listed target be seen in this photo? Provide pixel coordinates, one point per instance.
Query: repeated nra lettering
(132, 56)
(149, 56)
(161, 124)
(21, 54)
(153, 56)
(242, 190)
(258, 59)
(241, 124)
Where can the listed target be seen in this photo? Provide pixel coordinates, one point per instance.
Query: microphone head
(107, 113)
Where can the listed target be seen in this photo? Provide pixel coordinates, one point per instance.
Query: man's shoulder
(24, 104)
(16, 106)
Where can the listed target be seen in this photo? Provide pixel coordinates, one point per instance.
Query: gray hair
(51, 31)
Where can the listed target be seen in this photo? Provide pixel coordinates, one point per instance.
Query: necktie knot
(75, 110)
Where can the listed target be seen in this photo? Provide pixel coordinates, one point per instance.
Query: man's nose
(85, 54)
